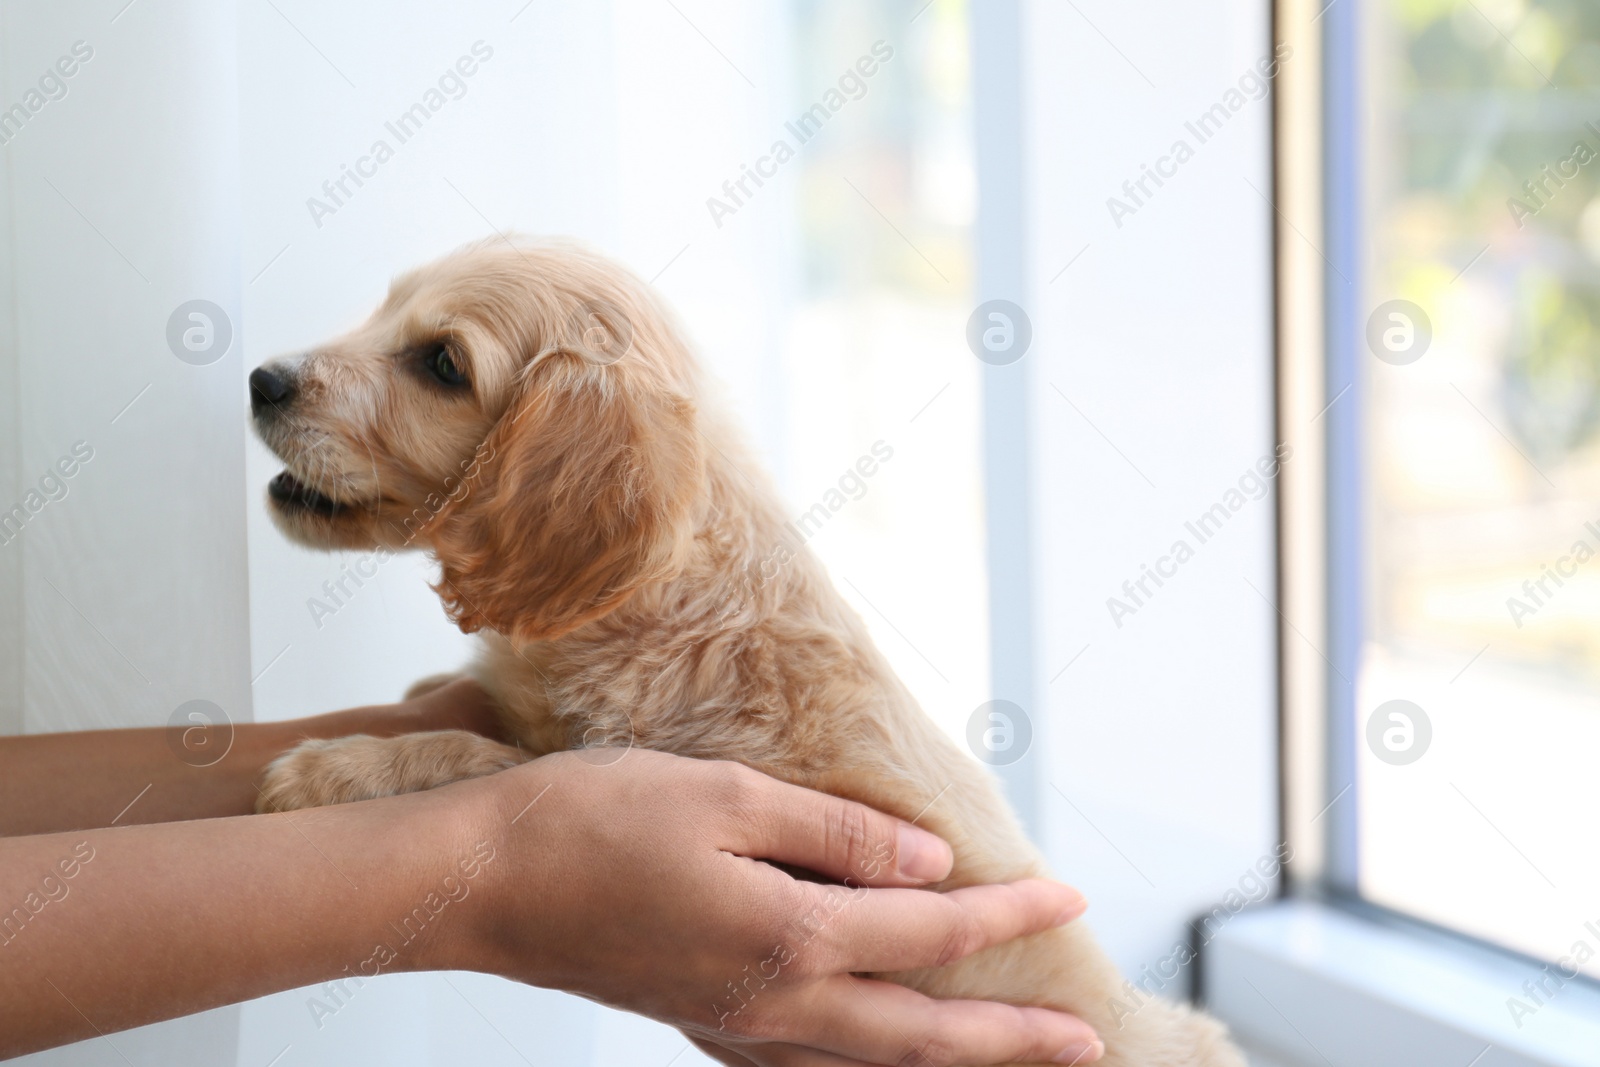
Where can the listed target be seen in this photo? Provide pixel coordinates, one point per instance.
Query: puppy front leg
(319, 772)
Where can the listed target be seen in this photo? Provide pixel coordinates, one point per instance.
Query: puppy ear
(589, 489)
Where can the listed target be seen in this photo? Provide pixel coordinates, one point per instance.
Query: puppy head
(523, 411)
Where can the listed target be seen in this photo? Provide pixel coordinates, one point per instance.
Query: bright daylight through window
(1468, 662)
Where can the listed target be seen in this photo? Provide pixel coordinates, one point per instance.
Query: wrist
(461, 890)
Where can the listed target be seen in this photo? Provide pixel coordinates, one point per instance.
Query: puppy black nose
(269, 388)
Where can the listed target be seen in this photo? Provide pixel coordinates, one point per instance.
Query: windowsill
(1311, 984)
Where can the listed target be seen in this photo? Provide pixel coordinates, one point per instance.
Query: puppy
(531, 415)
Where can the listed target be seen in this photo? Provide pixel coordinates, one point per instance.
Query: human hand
(640, 884)
(446, 702)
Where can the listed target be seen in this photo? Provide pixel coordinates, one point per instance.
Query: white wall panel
(1152, 395)
(123, 205)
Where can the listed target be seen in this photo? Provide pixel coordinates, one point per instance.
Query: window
(1462, 290)
(875, 363)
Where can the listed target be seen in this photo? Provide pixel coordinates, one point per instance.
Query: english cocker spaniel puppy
(531, 414)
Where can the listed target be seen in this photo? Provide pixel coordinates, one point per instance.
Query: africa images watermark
(1551, 983)
(451, 85)
(835, 899)
(999, 732)
(850, 486)
(1256, 481)
(53, 889)
(852, 85)
(337, 993)
(1541, 189)
(1254, 84)
(52, 85)
(1252, 887)
(1538, 591)
(53, 486)
(603, 335)
(338, 592)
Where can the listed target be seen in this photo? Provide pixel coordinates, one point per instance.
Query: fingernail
(1076, 907)
(1082, 1052)
(921, 856)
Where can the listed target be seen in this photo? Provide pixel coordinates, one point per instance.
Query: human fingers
(878, 1022)
(838, 838)
(905, 929)
(779, 1055)
(721, 1054)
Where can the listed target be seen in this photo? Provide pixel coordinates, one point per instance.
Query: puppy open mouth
(291, 494)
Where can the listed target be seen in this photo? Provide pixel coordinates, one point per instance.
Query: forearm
(154, 922)
(74, 781)
(51, 783)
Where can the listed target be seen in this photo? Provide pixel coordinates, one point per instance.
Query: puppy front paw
(309, 776)
(317, 772)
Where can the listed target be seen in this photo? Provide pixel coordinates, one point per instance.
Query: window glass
(1476, 689)
(876, 363)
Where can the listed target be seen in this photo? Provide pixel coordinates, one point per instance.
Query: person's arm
(635, 883)
(74, 781)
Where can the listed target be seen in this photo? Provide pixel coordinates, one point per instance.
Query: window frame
(1349, 979)
(1339, 367)
(1343, 210)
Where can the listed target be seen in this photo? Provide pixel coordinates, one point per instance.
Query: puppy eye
(443, 367)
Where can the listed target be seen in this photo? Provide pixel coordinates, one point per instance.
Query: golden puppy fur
(634, 578)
